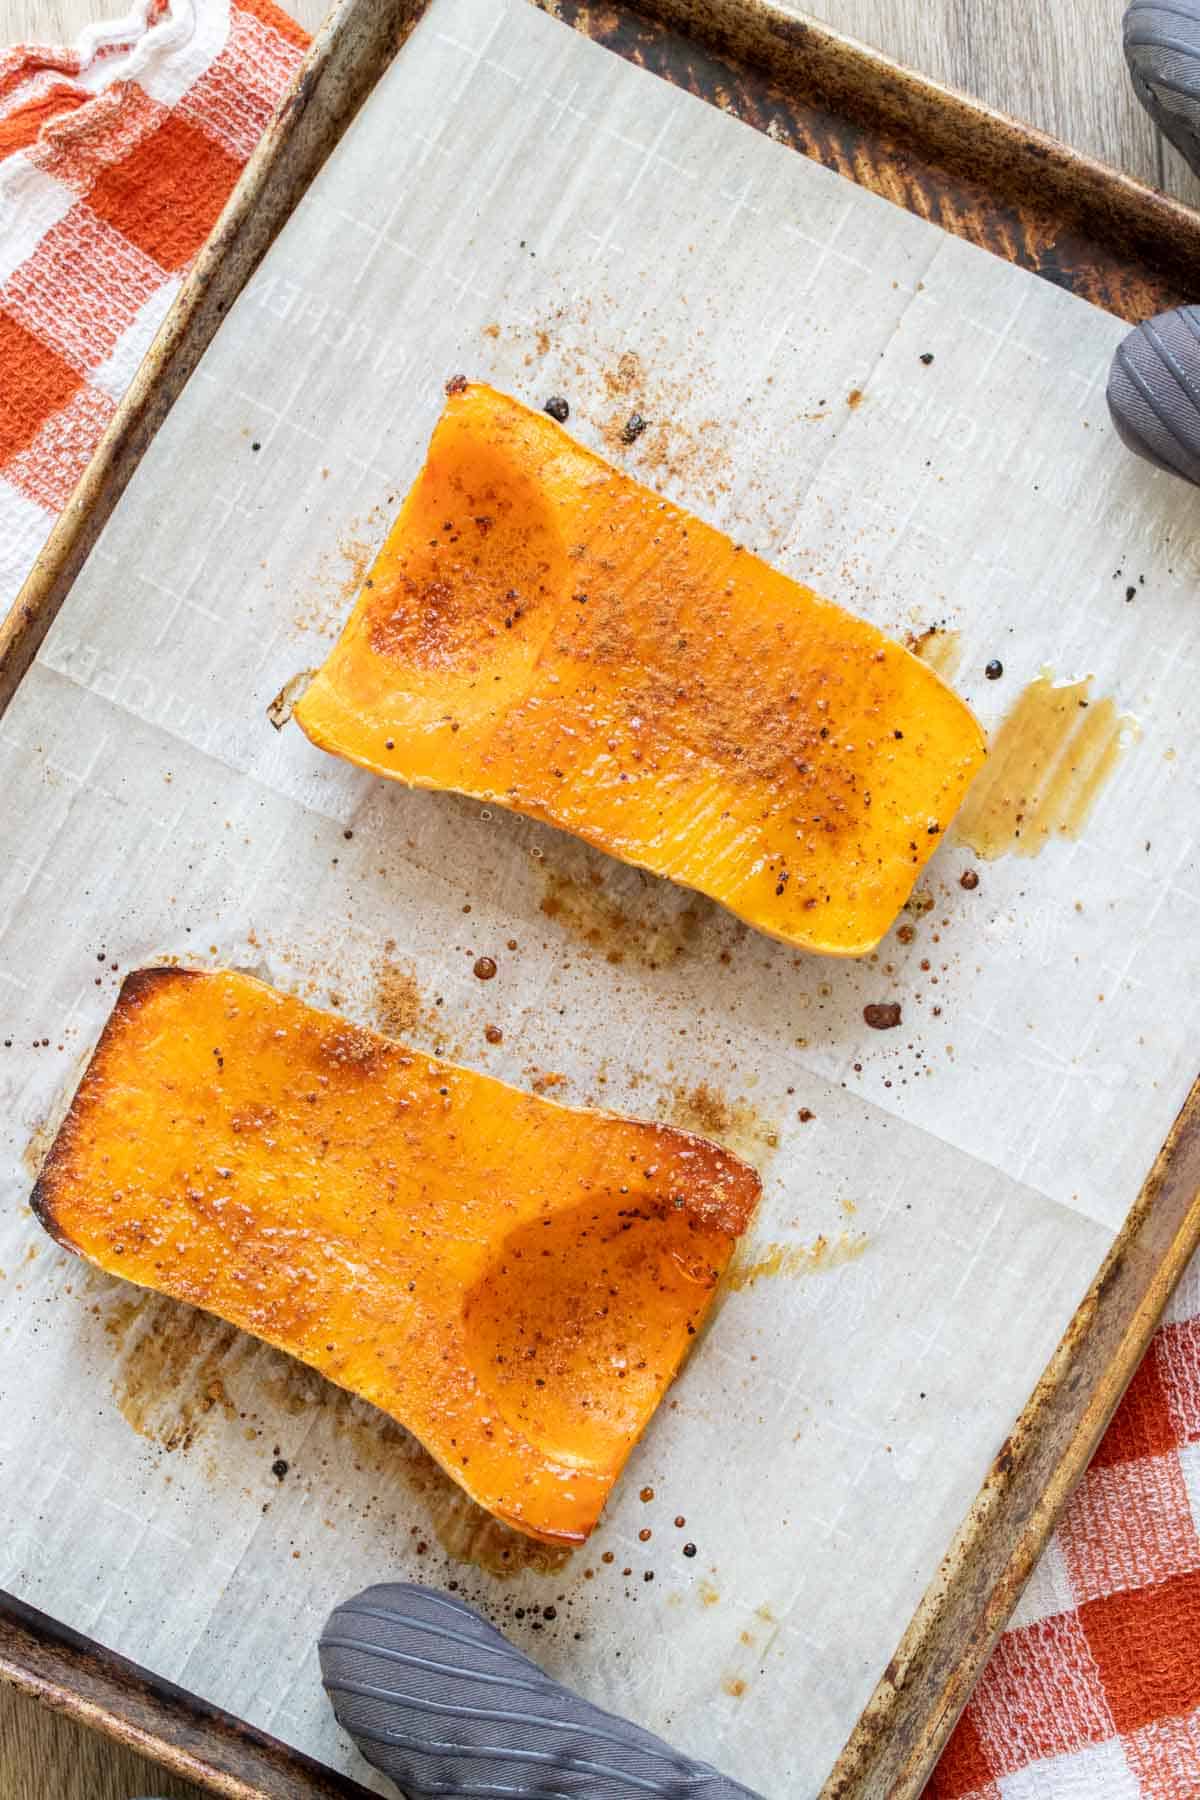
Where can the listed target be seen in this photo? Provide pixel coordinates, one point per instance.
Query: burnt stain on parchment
(175, 1367)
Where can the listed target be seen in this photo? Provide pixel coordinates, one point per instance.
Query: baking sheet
(517, 204)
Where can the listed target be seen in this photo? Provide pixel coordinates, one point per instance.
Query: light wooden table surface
(1055, 63)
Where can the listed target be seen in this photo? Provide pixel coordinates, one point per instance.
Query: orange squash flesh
(515, 1281)
(542, 632)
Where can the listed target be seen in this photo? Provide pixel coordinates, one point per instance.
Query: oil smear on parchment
(793, 1260)
(940, 649)
(1048, 762)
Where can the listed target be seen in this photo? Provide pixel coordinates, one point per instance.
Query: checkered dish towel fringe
(115, 159)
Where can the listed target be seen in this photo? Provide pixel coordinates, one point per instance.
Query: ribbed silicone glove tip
(1154, 391)
(441, 1702)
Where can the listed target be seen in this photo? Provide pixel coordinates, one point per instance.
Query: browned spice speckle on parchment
(654, 932)
(734, 1122)
(608, 387)
(338, 575)
(400, 1006)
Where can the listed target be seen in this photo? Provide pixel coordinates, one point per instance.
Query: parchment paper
(518, 204)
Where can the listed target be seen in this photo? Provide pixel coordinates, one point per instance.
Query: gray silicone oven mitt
(444, 1705)
(1154, 391)
(1162, 48)
(1154, 383)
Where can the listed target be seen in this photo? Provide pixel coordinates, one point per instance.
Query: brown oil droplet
(734, 1686)
(854, 399)
(1048, 762)
(882, 1015)
(969, 879)
(493, 1034)
(485, 968)
(646, 1495)
(680, 1522)
(794, 1260)
(645, 1534)
(941, 650)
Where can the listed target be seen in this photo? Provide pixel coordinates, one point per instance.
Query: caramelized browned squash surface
(542, 632)
(514, 1281)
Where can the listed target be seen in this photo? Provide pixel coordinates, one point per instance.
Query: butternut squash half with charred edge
(543, 633)
(516, 1282)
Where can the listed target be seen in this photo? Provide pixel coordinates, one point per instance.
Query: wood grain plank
(46, 1757)
(1056, 63)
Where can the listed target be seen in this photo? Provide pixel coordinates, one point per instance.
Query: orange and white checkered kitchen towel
(1093, 1692)
(115, 159)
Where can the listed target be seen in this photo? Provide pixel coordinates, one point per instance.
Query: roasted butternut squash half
(515, 1281)
(542, 632)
